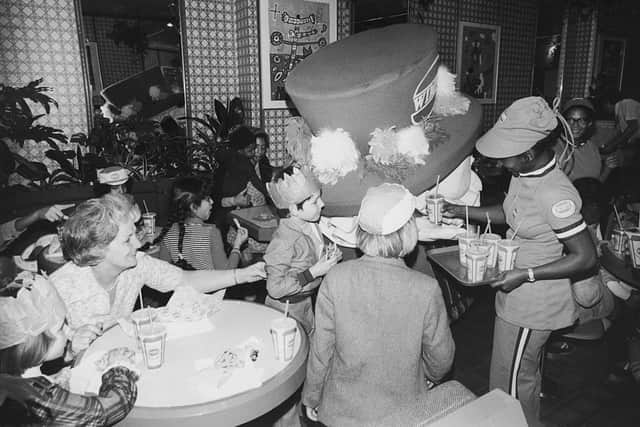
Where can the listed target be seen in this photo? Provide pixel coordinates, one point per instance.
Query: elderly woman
(381, 328)
(542, 205)
(106, 272)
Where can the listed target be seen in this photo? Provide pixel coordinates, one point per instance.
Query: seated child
(31, 332)
(295, 258)
(381, 328)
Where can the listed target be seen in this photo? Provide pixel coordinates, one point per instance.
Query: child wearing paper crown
(296, 258)
(387, 322)
(31, 332)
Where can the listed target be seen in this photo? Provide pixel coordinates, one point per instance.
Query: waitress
(535, 297)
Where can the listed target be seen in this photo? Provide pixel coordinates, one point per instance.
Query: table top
(180, 392)
(620, 267)
(449, 259)
(260, 221)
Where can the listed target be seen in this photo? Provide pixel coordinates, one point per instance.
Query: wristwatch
(531, 277)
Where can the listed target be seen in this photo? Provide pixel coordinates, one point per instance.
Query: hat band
(425, 93)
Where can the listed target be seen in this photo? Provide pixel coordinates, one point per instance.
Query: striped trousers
(515, 365)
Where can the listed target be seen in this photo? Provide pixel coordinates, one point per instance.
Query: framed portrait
(291, 30)
(477, 60)
(93, 61)
(610, 61)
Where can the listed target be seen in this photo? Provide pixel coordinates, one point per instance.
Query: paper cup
(634, 246)
(153, 338)
(477, 262)
(142, 317)
(464, 239)
(434, 208)
(149, 223)
(507, 253)
(492, 240)
(283, 336)
(617, 240)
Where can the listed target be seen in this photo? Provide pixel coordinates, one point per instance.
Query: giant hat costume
(378, 107)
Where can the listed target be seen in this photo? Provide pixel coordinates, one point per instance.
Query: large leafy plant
(18, 124)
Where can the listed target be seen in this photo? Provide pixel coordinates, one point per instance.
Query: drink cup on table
(507, 253)
(633, 236)
(153, 338)
(149, 223)
(141, 317)
(464, 240)
(477, 262)
(283, 336)
(434, 208)
(492, 240)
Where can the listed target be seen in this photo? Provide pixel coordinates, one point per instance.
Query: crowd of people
(367, 356)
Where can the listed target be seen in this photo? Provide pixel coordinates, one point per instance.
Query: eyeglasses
(581, 121)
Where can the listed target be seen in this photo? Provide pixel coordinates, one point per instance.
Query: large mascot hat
(379, 108)
(36, 308)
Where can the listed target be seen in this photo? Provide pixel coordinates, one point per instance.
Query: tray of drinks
(448, 259)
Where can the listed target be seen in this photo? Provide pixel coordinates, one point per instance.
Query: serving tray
(449, 260)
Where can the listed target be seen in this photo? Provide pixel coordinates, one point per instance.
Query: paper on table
(429, 231)
(215, 383)
(85, 377)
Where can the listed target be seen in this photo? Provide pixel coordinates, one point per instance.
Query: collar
(383, 260)
(540, 171)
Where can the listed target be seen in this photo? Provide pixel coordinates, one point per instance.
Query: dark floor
(578, 388)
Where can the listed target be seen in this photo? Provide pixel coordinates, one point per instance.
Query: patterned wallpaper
(40, 39)
(517, 19)
(224, 61)
(580, 45)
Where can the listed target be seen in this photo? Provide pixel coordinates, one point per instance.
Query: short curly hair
(93, 226)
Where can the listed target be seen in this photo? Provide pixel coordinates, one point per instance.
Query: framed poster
(477, 60)
(291, 30)
(610, 61)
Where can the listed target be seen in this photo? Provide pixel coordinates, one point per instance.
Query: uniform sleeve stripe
(567, 232)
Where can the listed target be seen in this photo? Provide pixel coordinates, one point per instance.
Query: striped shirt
(202, 246)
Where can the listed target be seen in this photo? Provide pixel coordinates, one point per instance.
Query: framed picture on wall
(291, 30)
(477, 60)
(610, 61)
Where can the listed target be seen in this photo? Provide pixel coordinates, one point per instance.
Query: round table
(620, 267)
(236, 322)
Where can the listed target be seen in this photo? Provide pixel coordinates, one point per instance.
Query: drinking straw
(146, 209)
(466, 214)
(488, 222)
(142, 305)
(615, 209)
(286, 309)
(515, 232)
(437, 184)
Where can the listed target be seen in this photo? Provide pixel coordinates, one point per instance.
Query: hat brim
(344, 197)
(495, 144)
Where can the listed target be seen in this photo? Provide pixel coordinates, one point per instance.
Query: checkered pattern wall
(517, 20)
(40, 39)
(117, 62)
(580, 46)
(224, 61)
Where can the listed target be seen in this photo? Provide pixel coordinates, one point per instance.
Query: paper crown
(36, 308)
(393, 100)
(292, 189)
(113, 175)
(386, 208)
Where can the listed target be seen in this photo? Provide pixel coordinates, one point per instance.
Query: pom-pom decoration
(333, 155)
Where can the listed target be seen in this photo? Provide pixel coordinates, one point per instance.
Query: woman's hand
(252, 273)
(510, 280)
(242, 199)
(612, 161)
(84, 336)
(450, 210)
(53, 213)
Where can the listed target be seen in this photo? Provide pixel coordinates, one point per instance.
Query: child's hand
(84, 336)
(330, 257)
(242, 199)
(242, 235)
(252, 273)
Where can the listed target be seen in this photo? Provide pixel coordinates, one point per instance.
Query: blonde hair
(393, 245)
(93, 226)
(18, 358)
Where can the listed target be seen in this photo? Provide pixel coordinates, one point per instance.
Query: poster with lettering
(291, 30)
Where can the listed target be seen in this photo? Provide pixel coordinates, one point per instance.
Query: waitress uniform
(545, 208)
